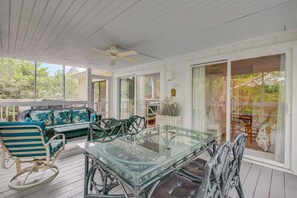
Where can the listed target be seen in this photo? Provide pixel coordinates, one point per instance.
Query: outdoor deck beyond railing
(258, 181)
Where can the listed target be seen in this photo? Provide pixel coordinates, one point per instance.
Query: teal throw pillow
(45, 116)
(80, 115)
(28, 119)
(62, 116)
(93, 117)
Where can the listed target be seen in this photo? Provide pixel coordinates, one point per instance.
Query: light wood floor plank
(277, 185)
(263, 184)
(251, 181)
(290, 186)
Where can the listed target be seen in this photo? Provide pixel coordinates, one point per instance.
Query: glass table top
(141, 157)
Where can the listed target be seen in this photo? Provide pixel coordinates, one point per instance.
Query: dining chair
(106, 129)
(26, 143)
(134, 124)
(151, 115)
(212, 185)
(238, 146)
(195, 170)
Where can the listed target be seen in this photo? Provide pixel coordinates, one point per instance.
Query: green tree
(17, 81)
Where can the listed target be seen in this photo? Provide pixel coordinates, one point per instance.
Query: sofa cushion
(80, 115)
(45, 116)
(62, 116)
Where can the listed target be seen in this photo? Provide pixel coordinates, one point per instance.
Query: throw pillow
(80, 115)
(62, 116)
(45, 116)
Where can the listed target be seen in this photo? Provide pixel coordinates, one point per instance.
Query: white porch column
(89, 88)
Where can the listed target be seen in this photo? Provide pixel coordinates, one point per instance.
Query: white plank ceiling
(64, 31)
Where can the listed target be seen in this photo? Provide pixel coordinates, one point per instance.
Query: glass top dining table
(142, 159)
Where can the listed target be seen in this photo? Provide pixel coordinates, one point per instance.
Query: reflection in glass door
(127, 97)
(258, 100)
(209, 98)
(148, 97)
(100, 97)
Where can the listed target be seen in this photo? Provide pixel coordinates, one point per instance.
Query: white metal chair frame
(39, 162)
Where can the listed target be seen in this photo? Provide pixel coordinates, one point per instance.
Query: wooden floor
(258, 181)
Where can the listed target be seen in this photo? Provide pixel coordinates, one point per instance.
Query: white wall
(285, 42)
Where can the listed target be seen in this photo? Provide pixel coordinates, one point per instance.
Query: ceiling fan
(114, 54)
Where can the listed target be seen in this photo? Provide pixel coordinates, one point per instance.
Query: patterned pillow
(80, 115)
(62, 116)
(42, 116)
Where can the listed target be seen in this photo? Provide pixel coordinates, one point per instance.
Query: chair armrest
(55, 137)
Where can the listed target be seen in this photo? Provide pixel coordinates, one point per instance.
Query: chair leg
(239, 190)
(29, 170)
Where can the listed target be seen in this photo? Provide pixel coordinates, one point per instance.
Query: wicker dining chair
(238, 146)
(211, 186)
(134, 124)
(106, 130)
(195, 170)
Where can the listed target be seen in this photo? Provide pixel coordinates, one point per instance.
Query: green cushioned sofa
(73, 122)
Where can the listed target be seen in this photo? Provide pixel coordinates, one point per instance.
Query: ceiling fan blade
(112, 61)
(98, 50)
(133, 60)
(127, 53)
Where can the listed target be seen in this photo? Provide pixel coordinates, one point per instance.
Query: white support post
(63, 84)
(228, 103)
(89, 87)
(294, 111)
(35, 76)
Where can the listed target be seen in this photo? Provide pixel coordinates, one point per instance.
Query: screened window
(49, 81)
(16, 80)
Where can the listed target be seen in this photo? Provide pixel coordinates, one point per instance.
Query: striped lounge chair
(25, 142)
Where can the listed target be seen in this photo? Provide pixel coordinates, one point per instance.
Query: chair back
(215, 173)
(106, 130)
(135, 124)
(232, 174)
(23, 139)
(238, 146)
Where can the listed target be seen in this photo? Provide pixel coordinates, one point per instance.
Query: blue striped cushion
(23, 139)
(40, 124)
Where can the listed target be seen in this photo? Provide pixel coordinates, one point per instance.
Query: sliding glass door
(127, 97)
(209, 98)
(148, 97)
(140, 95)
(258, 97)
(258, 101)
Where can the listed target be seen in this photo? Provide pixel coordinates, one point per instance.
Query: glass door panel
(127, 97)
(258, 99)
(148, 97)
(209, 98)
(100, 97)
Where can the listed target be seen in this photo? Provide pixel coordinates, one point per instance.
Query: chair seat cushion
(195, 169)
(55, 146)
(176, 187)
